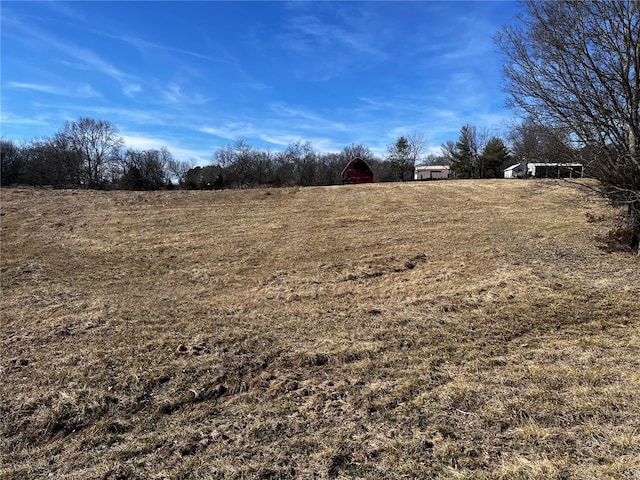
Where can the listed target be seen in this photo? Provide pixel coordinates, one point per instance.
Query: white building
(555, 170)
(545, 170)
(433, 172)
(514, 171)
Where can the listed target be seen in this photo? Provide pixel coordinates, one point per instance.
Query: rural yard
(451, 329)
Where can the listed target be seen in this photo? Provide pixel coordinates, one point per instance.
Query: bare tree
(576, 66)
(525, 141)
(236, 160)
(404, 153)
(51, 161)
(12, 162)
(303, 158)
(144, 169)
(243, 165)
(97, 143)
(283, 170)
(356, 150)
(448, 150)
(178, 169)
(532, 142)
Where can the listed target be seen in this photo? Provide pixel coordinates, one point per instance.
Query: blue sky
(194, 76)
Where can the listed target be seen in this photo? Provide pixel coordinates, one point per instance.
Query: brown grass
(467, 329)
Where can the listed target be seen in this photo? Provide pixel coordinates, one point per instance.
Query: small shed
(432, 172)
(514, 171)
(357, 171)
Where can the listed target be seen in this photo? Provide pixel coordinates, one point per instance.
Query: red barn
(357, 171)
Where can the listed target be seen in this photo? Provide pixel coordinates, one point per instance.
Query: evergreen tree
(495, 157)
(465, 157)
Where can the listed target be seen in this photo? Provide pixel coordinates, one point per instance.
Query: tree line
(88, 153)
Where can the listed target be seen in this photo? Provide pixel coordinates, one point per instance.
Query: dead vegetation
(468, 329)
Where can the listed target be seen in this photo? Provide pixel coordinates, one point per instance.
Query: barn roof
(512, 167)
(353, 162)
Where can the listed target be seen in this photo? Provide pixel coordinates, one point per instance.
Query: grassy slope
(450, 329)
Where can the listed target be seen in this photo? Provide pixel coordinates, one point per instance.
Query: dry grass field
(461, 329)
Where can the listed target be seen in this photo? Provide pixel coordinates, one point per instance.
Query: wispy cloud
(341, 41)
(149, 117)
(11, 118)
(270, 130)
(82, 91)
(130, 89)
(393, 104)
(241, 73)
(230, 130)
(311, 120)
(130, 84)
(282, 140)
(144, 46)
(141, 141)
(66, 10)
(84, 58)
(308, 32)
(175, 94)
